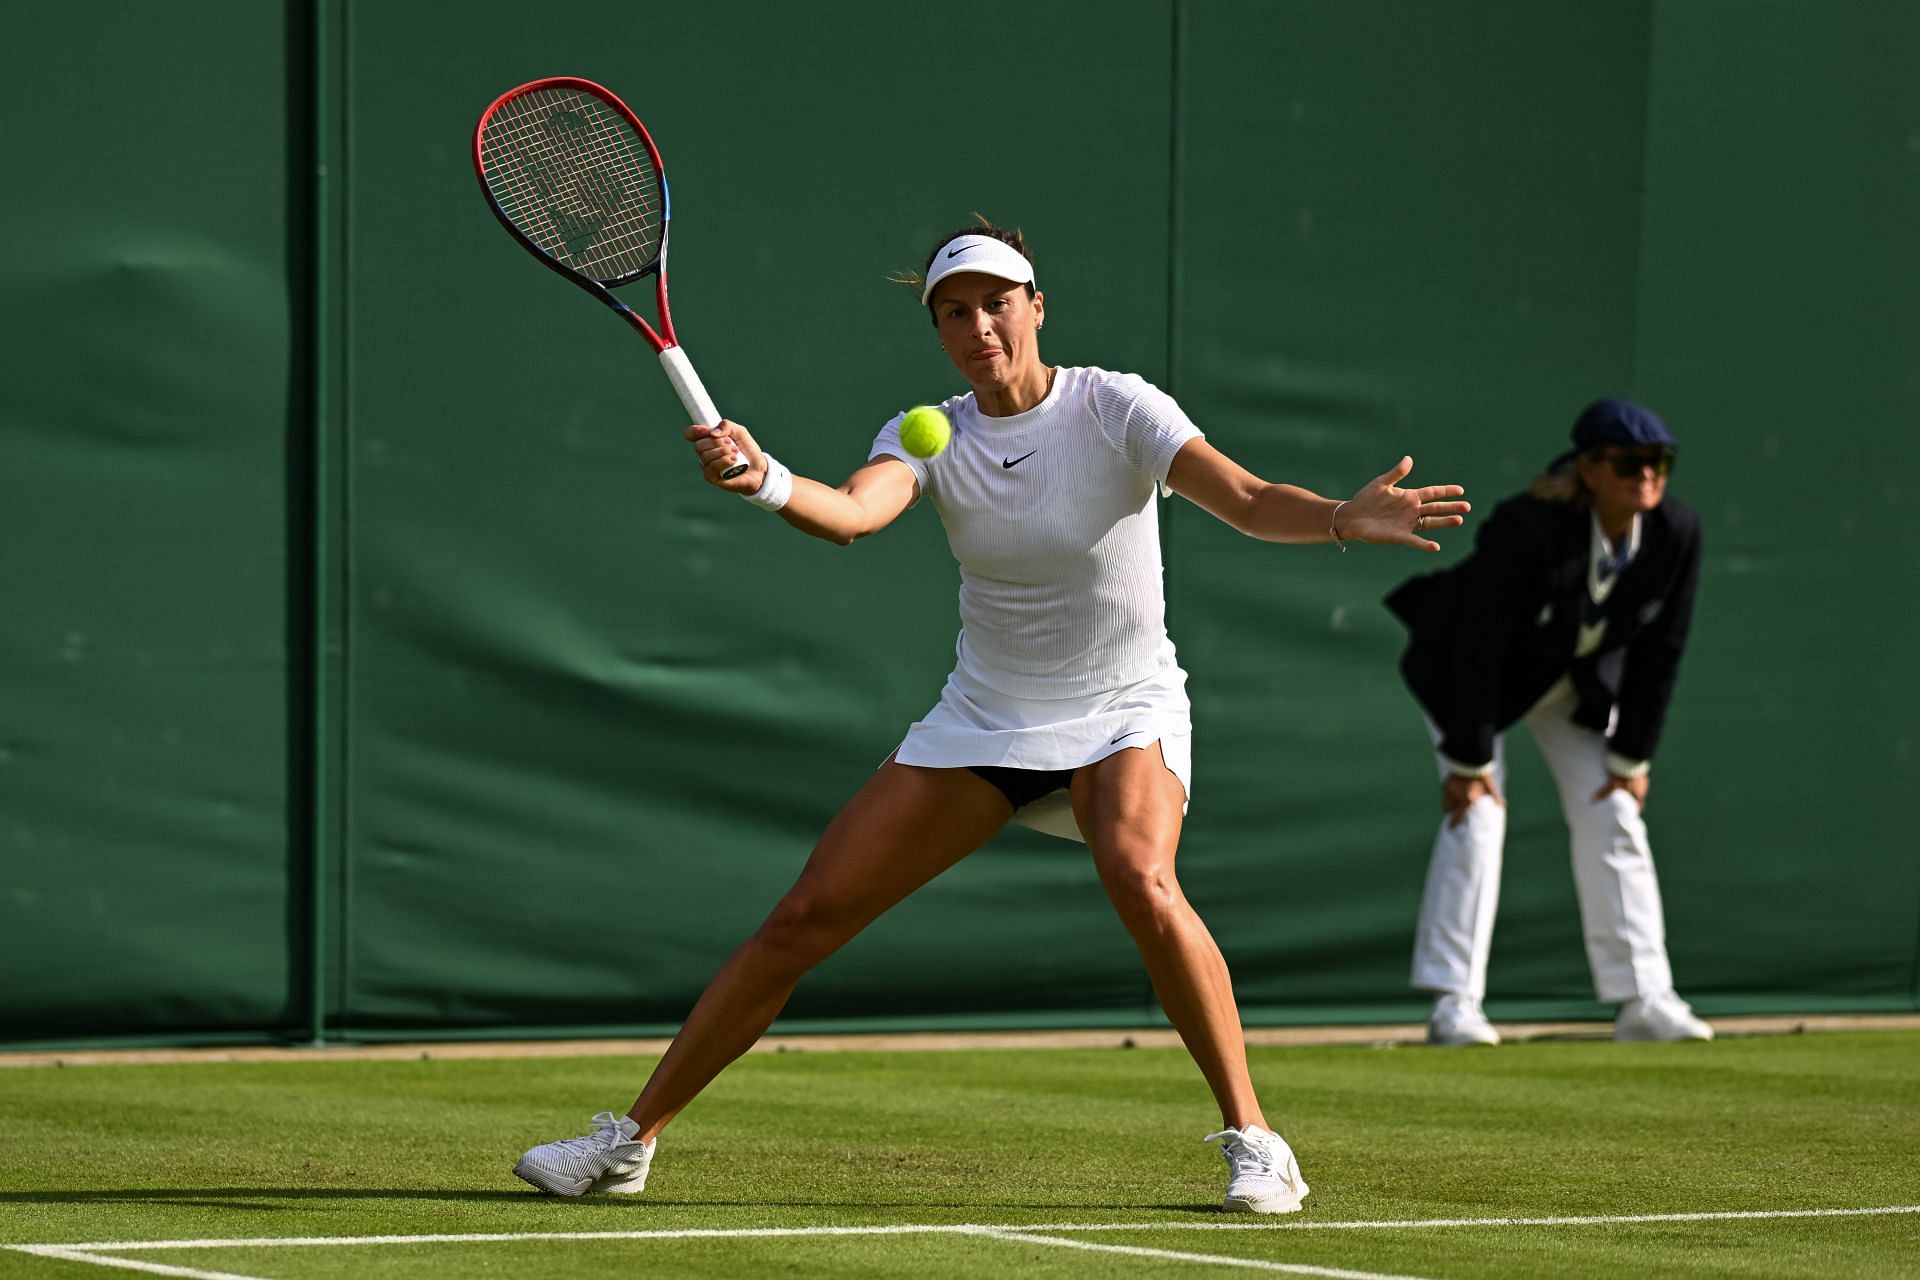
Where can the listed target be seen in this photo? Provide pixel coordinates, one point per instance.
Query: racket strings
(583, 185)
(595, 185)
(574, 177)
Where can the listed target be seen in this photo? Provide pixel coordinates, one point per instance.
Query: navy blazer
(1492, 634)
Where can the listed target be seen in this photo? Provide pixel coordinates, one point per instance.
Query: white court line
(746, 1233)
(1211, 1259)
(124, 1264)
(71, 1254)
(92, 1252)
(1594, 1220)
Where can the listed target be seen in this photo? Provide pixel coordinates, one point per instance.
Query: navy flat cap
(1619, 422)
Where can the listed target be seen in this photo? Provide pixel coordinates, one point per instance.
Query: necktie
(1611, 565)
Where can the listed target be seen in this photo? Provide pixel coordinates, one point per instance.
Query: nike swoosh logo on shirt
(1011, 463)
(1128, 734)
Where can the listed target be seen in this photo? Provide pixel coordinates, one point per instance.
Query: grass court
(1779, 1155)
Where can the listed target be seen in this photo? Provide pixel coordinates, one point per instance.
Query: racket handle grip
(693, 394)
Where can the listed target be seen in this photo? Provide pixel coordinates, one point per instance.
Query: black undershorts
(1022, 787)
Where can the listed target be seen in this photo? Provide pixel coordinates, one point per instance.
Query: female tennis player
(1066, 708)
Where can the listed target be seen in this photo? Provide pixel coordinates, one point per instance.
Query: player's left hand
(1383, 512)
(1635, 787)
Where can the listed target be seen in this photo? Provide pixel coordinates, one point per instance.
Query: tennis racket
(572, 174)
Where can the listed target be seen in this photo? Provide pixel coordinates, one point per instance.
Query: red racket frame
(673, 360)
(603, 290)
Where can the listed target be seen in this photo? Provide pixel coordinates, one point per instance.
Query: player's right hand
(718, 447)
(1457, 795)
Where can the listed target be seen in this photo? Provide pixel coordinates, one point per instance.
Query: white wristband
(1622, 767)
(775, 489)
(1459, 770)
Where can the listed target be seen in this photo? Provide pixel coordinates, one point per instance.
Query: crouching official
(1571, 614)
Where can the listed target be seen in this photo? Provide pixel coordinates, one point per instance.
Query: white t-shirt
(1051, 516)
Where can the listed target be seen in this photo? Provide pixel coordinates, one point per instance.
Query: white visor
(983, 255)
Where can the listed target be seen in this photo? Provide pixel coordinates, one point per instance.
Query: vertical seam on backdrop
(327, 678)
(304, 554)
(1176, 121)
(320, 561)
(1913, 993)
(344, 782)
(1177, 15)
(1640, 204)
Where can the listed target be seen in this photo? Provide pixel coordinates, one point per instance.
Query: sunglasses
(1628, 463)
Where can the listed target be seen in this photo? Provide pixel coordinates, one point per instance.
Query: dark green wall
(341, 537)
(147, 402)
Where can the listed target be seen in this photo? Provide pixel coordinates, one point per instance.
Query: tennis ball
(924, 432)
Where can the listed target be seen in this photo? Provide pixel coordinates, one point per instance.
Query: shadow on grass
(238, 1198)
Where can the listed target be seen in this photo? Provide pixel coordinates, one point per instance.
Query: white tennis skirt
(973, 724)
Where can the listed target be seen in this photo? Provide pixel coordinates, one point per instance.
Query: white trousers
(1613, 874)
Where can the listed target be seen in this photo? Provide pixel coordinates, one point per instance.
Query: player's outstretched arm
(871, 499)
(1380, 512)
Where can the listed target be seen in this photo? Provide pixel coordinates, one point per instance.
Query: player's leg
(1621, 915)
(1454, 935)
(903, 828)
(1130, 808)
(906, 826)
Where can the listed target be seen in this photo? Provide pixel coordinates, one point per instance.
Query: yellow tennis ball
(924, 432)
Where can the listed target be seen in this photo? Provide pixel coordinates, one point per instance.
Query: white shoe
(1457, 1019)
(608, 1159)
(1659, 1017)
(1264, 1177)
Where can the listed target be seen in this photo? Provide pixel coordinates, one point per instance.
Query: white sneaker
(1457, 1019)
(1264, 1177)
(1659, 1017)
(608, 1159)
